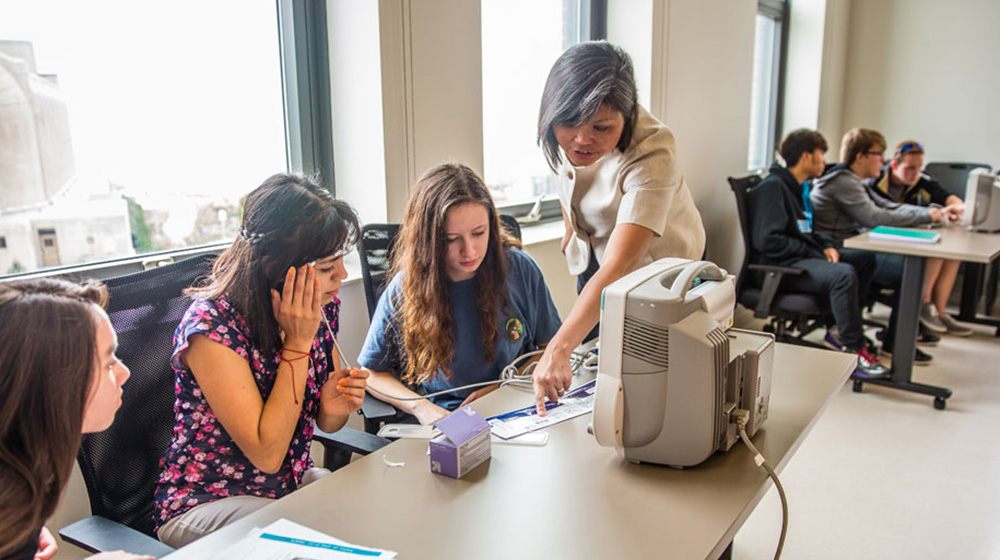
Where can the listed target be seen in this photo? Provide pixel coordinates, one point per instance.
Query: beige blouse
(638, 186)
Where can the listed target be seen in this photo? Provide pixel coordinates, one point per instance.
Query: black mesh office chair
(953, 175)
(120, 465)
(792, 315)
(375, 249)
(510, 224)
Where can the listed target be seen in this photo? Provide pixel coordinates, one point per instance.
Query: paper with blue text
(286, 540)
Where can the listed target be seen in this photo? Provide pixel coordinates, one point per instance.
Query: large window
(521, 40)
(132, 127)
(766, 96)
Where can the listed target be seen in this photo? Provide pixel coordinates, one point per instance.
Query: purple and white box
(463, 444)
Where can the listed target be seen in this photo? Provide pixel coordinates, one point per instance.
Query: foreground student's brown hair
(48, 338)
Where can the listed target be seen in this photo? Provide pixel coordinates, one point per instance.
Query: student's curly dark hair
(288, 221)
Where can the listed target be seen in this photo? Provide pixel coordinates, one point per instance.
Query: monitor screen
(981, 198)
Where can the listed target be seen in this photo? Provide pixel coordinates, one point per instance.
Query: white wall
(356, 91)
(927, 70)
(701, 68)
(432, 90)
(629, 27)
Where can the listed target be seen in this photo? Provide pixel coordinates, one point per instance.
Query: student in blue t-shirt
(464, 300)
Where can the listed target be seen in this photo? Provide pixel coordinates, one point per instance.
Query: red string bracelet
(281, 355)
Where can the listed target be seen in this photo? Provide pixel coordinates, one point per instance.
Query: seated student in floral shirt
(256, 363)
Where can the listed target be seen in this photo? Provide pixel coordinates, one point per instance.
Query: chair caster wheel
(939, 403)
(859, 385)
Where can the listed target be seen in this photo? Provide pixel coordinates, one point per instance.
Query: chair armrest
(776, 269)
(772, 279)
(99, 534)
(373, 408)
(338, 446)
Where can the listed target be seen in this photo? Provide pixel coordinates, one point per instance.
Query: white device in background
(982, 201)
(667, 384)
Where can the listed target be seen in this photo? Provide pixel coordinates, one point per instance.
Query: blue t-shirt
(529, 320)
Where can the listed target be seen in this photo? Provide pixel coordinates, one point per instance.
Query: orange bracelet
(281, 356)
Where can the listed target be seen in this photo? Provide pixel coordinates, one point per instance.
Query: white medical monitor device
(671, 371)
(982, 201)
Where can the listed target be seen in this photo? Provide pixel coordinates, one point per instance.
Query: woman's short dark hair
(48, 353)
(583, 78)
(288, 221)
(798, 142)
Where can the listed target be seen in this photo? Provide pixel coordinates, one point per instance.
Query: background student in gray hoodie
(843, 206)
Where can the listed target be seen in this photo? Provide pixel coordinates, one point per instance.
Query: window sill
(531, 234)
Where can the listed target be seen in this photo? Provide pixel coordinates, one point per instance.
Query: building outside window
(131, 127)
(515, 66)
(768, 77)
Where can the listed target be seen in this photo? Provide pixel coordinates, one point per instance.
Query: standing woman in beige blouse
(624, 201)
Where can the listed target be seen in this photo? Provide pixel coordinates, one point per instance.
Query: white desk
(956, 243)
(568, 499)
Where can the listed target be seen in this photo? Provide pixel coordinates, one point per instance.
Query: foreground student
(59, 376)
(464, 301)
(256, 363)
(781, 234)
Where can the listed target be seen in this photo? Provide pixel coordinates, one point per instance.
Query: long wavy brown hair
(424, 302)
(288, 221)
(48, 355)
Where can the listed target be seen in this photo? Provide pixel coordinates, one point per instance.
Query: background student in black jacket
(781, 233)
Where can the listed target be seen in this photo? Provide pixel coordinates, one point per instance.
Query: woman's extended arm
(425, 411)
(262, 430)
(626, 247)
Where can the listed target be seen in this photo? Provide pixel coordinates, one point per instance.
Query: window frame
(305, 74)
(779, 11)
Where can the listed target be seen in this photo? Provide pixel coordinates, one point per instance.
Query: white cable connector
(742, 416)
(509, 374)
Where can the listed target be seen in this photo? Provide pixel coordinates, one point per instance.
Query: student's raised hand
(551, 378)
(297, 308)
(477, 394)
(47, 546)
(344, 391)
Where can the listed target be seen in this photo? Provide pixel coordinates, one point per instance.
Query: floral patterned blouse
(203, 463)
